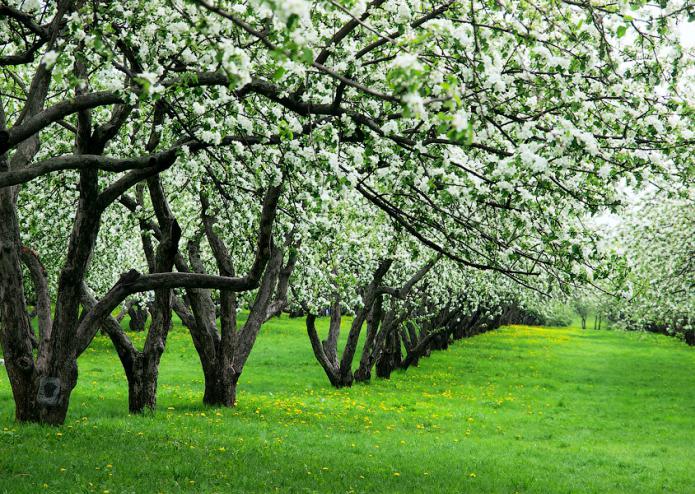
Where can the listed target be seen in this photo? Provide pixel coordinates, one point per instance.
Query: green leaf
(469, 134)
(292, 21)
(620, 32)
(307, 55)
(279, 72)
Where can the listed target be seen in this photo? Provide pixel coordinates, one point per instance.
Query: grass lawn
(519, 409)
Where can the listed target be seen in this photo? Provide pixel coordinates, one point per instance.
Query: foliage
(657, 241)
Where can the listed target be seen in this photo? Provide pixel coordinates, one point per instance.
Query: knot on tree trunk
(25, 363)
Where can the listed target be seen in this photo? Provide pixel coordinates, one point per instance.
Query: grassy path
(516, 410)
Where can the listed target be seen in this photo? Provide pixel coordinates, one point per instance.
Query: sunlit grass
(520, 409)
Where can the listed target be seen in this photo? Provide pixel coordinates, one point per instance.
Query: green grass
(516, 410)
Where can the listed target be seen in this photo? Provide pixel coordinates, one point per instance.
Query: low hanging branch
(133, 282)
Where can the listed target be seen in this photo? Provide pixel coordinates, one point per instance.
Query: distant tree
(581, 307)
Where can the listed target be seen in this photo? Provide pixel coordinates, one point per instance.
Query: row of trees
(656, 242)
(409, 162)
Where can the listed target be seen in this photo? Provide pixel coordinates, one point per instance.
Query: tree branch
(43, 297)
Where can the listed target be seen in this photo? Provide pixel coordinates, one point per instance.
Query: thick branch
(43, 297)
(402, 292)
(133, 282)
(86, 162)
(330, 369)
(278, 305)
(111, 326)
(55, 113)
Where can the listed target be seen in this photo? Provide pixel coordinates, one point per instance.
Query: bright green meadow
(520, 409)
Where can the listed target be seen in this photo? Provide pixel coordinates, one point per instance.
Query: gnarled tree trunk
(370, 349)
(224, 353)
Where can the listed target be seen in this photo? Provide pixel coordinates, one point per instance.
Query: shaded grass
(519, 409)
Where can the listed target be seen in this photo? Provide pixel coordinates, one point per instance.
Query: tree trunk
(16, 344)
(369, 351)
(220, 387)
(330, 366)
(138, 318)
(141, 387)
(390, 356)
(41, 391)
(142, 395)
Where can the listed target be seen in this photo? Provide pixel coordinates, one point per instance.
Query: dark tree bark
(125, 310)
(145, 396)
(370, 349)
(16, 343)
(384, 348)
(279, 302)
(421, 349)
(142, 367)
(326, 352)
(438, 331)
(138, 318)
(49, 385)
(390, 356)
(224, 353)
(130, 357)
(42, 387)
(37, 272)
(410, 340)
(340, 373)
(328, 362)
